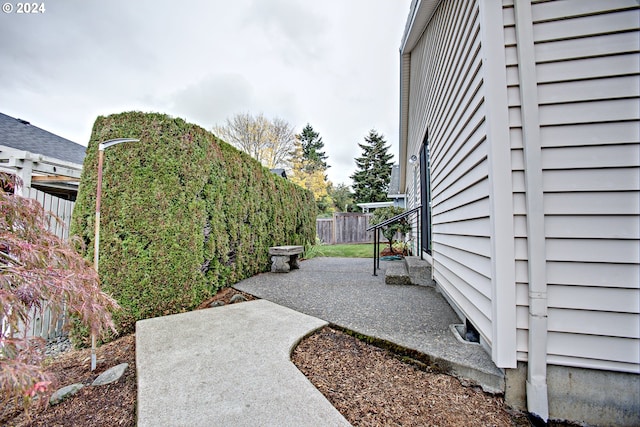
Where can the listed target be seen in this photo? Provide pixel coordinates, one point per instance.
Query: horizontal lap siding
(416, 127)
(447, 97)
(588, 68)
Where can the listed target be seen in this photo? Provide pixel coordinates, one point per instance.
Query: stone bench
(284, 258)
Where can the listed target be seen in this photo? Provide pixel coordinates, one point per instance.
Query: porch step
(409, 271)
(396, 273)
(419, 271)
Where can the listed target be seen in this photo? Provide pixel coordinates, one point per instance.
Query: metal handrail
(376, 234)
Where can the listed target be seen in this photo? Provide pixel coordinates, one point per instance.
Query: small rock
(111, 375)
(237, 298)
(216, 304)
(61, 394)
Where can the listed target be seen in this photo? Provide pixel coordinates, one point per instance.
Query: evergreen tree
(373, 174)
(309, 165)
(312, 145)
(314, 181)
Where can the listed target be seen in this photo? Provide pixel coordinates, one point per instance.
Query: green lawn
(344, 251)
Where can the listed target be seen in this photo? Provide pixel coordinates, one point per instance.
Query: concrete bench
(284, 258)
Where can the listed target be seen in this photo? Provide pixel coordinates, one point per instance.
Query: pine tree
(312, 145)
(309, 165)
(315, 181)
(373, 174)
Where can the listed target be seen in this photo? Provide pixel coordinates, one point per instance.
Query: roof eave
(419, 16)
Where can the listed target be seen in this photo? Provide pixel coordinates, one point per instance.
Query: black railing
(376, 234)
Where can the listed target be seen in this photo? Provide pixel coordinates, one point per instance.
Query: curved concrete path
(228, 366)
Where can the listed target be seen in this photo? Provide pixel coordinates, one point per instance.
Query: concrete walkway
(227, 366)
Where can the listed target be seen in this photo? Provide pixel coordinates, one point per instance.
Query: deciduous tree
(309, 167)
(342, 198)
(314, 181)
(268, 141)
(390, 231)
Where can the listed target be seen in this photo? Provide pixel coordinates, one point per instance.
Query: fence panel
(344, 227)
(61, 208)
(324, 230)
(44, 322)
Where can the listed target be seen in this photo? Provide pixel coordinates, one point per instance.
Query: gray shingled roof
(22, 135)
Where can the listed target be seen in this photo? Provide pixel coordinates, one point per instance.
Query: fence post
(333, 229)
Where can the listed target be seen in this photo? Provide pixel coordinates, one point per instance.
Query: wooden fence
(44, 322)
(61, 208)
(344, 227)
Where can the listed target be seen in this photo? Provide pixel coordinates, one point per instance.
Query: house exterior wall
(561, 79)
(586, 69)
(448, 105)
(586, 56)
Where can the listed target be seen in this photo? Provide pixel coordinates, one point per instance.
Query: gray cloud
(333, 64)
(295, 31)
(213, 99)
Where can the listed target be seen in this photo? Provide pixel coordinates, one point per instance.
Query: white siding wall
(588, 88)
(447, 98)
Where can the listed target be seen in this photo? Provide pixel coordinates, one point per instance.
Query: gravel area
(58, 345)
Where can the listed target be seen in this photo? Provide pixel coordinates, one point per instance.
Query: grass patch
(340, 251)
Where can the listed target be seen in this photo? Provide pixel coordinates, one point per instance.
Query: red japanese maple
(37, 268)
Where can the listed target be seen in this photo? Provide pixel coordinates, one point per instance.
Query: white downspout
(536, 388)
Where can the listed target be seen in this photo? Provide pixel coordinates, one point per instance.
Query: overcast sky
(331, 63)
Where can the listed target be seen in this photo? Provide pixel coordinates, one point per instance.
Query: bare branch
(269, 142)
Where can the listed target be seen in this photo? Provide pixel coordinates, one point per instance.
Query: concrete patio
(343, 292)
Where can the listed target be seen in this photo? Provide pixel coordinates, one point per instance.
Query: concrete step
(396, 273)
(419, 271)
(409, 271)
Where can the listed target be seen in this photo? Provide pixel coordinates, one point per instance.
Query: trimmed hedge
(183, 214)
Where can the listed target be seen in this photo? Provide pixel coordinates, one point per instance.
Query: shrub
(389, 232)
(183, 214)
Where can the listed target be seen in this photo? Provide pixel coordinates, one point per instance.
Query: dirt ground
(368, 385)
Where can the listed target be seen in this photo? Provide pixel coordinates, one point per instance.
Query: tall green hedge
(183, 214)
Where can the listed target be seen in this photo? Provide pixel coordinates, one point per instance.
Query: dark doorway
(425, 196)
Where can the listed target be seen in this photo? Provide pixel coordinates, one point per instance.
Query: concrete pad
(227, 366)
(343, 292)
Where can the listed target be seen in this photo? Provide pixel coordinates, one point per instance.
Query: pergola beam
(53, 178)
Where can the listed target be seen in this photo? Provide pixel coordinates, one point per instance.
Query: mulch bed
(372, 387)
(109, 405)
